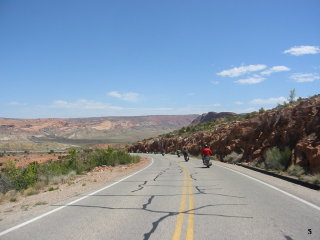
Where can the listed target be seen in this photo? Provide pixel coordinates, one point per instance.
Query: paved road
(173, 199)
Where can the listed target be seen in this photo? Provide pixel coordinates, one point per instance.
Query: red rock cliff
(296, 127)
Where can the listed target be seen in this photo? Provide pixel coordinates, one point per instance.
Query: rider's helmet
(206, 146)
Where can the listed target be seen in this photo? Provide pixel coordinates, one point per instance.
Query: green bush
(78, 161)
(278, 160)
(20, 177)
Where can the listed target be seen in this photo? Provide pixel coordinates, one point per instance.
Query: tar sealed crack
(191, 176)
(155, 224)
(141, 186)
(199, 190)
(162, 172)
(144, 206)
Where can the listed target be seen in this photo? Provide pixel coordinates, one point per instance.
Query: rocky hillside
(296, 126)
(206, 117)
(43, 134)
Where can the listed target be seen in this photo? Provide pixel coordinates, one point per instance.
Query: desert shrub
(50, 189)
(5, 183)
(261, 165)
(30, 191)
(296, 170)
(276, 159)
(40, 203)
(261, 110)
(53, 172)
(315, 179)
(15, 176)
(233, 157)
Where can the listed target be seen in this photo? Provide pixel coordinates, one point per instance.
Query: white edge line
(275, 188)
(70, 203)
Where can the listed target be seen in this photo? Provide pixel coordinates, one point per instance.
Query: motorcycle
(206, 161)
(186, 158)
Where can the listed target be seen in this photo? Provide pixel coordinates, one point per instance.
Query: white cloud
(252, 80)
(15, 103)
(238, 71)
(238, 103)
(275, 69)
(83, 104)
(130, 96)
(268, 101)
(302, 50)
(305, 77)
(215, 82)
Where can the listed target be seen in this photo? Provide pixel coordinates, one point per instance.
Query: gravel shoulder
(27, 207)
(305, 193)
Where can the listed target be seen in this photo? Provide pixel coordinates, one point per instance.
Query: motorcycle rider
(206, 153)
(185, 154)
(178, 153)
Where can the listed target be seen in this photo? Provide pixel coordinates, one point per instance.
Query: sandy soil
(27, 207)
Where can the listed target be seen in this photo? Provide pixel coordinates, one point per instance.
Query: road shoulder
(307, 194)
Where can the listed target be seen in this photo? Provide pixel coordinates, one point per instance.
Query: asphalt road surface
(174, 199)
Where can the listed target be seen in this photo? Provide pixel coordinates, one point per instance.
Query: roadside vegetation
(35, 176)
(280, 161)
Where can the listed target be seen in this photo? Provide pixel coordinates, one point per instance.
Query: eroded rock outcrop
(296, 126)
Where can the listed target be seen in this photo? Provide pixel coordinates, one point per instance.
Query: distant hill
(206, 117)
(54, 133)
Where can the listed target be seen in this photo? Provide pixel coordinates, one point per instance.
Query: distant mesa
(58, 134)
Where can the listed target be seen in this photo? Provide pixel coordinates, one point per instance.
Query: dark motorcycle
(206, 161)
(186, 158)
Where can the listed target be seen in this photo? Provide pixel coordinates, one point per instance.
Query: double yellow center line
(186, 192)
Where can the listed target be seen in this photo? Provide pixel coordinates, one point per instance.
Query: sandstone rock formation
(296, 126)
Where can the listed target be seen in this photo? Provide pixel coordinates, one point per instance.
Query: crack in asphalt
(144, 206)
(191, 176)
(162, 172)
(141, 186)
(155, 224)
(200, 190)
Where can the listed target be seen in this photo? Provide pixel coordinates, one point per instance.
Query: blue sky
(145, 57)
